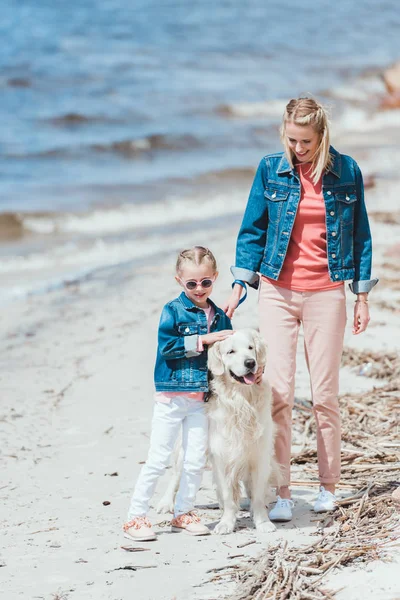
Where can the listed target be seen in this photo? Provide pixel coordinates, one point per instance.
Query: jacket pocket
(276, 194)
(346, 203)
(276, 200)
(346, 197)
(188, 328)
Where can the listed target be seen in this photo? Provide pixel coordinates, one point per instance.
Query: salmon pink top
(305, 267)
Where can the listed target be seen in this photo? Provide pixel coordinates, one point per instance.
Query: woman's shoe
(139, 530)
(326, 501)
(282, 510)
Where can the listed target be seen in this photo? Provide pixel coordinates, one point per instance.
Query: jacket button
(333, 233)
(336, 276)
(332, 213)
(187, 330)
(333, 255)
(329, 193)
(273, 195)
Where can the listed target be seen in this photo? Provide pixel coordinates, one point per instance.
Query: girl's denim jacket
(271, 210)
(180, 367)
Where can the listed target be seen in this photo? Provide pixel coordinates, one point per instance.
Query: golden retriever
(241, 430)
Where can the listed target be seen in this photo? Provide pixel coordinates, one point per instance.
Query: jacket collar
(189, 305)
(336, 167)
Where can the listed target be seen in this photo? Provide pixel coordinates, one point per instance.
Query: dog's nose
(249, 363)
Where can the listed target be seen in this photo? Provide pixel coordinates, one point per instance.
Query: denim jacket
(271, 210)
(180, 367)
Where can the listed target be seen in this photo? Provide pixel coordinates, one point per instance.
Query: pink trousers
(323, 315)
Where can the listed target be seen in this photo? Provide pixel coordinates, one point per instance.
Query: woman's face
(303, 140)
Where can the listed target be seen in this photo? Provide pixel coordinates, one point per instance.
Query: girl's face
(190, 273)
(303, 140)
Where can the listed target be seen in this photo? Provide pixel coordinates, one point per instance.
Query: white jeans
(166, 424)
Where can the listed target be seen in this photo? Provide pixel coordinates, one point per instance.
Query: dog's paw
(265, 527)
(165, 506)
(224, 527)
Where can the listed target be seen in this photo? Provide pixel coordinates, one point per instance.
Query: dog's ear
(261, 349)
(214, 361)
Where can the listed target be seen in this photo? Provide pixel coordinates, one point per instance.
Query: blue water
(81, 81)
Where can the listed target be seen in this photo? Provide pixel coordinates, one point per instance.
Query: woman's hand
(216, 336)
(361, 315)
(231, 305)
(259, 375)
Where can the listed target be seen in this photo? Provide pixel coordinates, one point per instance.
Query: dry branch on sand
(380, 365)
(360, 531)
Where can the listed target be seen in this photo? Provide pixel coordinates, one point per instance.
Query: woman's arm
(251, 239)
(362, 242)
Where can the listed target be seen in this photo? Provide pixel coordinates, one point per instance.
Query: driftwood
(359, 533)
(365, 524)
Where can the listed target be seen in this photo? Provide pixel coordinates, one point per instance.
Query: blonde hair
(303, 112)
(196, 255)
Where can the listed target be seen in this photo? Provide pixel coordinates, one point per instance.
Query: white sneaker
(282, 510)
(325, 501)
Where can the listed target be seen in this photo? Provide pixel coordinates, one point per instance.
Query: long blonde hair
(304, 112)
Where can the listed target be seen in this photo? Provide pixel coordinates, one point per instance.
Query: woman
(304, 232)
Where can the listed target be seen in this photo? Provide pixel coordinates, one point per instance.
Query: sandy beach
(76, 403)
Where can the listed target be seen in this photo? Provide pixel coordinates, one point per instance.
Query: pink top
(306, 263)
(166, 396)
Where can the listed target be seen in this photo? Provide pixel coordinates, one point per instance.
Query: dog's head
(238, 356)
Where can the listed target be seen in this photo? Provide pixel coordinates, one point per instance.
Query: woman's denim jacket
(180, 367)
(271, 210)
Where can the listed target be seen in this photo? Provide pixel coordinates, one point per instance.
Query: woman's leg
(167, 419)
(279, 317)
(194, 443)
(324, 320)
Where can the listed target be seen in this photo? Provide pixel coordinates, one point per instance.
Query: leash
(242, 283)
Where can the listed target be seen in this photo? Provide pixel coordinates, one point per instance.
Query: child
(187, 325)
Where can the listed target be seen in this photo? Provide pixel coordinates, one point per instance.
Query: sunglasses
(192, 283)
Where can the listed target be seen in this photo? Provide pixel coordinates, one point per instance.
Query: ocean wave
(128, 148)
(133, 217)
(73, 119)
(270, 108)
(150, 143)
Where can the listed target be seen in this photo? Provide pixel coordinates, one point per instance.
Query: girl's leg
(167, 419)
(279, 314)
(194, 443)
(324, 320)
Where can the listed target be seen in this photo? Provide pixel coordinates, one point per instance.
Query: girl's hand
(231, 305)
(216, 336)
(361, 317)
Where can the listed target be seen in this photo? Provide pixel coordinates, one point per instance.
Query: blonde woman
(305, 232)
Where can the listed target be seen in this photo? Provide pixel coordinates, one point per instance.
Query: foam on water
(172, 211)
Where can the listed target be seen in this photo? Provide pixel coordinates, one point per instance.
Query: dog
(241, 430)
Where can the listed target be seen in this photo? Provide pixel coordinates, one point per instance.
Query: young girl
(187, 325)
(305, 231)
